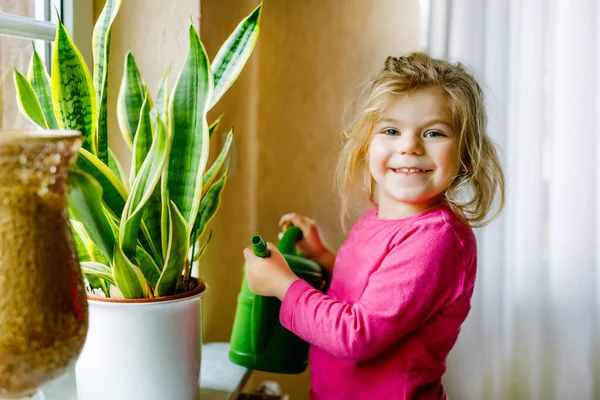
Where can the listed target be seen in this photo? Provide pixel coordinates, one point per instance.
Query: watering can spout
(260, 247)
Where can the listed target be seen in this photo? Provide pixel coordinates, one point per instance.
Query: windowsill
(220, 379)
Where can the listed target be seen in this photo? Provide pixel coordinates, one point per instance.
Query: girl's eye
(433, 134)
(391, 132)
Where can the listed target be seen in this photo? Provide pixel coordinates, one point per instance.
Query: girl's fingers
(300, 221)
(288, 218)
(272, 248)
(248, 252)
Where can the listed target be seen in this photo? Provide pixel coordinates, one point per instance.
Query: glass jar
(43, 307)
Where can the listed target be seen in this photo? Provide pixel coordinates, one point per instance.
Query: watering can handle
(287, 244)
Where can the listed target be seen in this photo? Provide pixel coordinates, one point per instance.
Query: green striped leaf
(210, 204)
(189, 130)
(92, 252)
(114, 224)
(142, 140)
(178, 245)
(97, 255)
(164, 212)
(27, 100)
(162, 101)
(73, 94)
(101, 52)
(152, 220)
(128, 276)
(142, 189)
(80, 238)
(198, 255)
(114, 193)
(85, 204)
(146, 240)
(153, 213)
(148, 267)
(40, 82)
(213, 171)
(213, 127)
(143, 240)
(116, 168)
(234, 53)
(102, 128)
(131, 98)
(98, 269)
(101, 43)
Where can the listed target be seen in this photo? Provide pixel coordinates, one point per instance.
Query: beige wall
(286, 108)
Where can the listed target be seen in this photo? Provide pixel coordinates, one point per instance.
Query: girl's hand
(269, 276)
(311, 246)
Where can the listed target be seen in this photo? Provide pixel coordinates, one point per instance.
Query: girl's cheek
(377, 151)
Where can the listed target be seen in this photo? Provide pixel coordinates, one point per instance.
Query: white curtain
(534, 330)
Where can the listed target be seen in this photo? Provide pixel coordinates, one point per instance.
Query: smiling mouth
(410, 171)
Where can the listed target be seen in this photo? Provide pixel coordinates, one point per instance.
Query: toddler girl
(402, 282)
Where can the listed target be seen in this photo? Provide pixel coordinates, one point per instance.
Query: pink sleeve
(414, 281)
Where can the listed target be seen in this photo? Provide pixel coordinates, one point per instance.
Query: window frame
(76, 15)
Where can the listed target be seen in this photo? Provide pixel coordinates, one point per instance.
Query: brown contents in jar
(43, 309)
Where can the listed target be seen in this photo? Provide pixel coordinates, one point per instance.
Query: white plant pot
(146, 349)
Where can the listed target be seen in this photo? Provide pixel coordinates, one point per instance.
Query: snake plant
(140, 233)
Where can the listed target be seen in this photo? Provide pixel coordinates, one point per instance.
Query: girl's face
(413, 154)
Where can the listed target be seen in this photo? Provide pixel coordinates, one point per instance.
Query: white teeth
(409, 170)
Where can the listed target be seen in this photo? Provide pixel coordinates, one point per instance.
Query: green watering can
(258, 340)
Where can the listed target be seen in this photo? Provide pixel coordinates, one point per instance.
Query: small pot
(146, 349)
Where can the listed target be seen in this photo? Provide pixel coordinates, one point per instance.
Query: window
(28, 23)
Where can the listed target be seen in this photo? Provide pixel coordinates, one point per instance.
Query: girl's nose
(409, 144)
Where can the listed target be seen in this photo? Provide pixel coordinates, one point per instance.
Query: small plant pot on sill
(146, 349)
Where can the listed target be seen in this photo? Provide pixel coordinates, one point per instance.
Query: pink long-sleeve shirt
(399, 293)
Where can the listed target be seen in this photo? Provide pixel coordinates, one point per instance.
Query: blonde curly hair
(476, 194)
